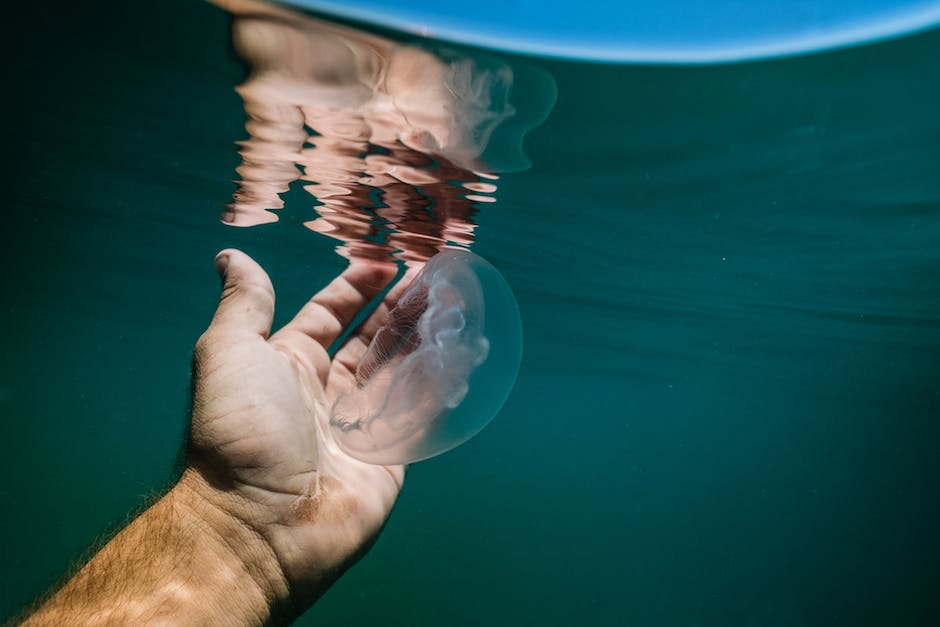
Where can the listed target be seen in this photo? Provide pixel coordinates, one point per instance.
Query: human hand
(260, 449)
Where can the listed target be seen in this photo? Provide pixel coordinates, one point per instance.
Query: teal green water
(729, 277)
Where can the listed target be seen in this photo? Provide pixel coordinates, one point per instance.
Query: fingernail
(221, 263)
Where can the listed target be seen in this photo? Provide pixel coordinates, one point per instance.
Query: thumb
(247, 302)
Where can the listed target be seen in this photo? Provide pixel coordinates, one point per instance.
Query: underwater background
(728, 411)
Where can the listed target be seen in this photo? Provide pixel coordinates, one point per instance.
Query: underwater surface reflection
(728, 276)
(388, 138)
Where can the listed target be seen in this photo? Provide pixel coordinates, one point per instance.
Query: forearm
(183, 561)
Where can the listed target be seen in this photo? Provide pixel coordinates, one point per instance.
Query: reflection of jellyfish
(439, 370)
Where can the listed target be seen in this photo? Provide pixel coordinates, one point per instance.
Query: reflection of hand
(260, 445)
(397, 133)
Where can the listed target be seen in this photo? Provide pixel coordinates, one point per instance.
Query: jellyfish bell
(439, 370)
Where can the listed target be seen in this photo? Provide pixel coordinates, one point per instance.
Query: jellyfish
(439, 370)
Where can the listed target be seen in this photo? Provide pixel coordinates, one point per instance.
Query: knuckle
(252, 290)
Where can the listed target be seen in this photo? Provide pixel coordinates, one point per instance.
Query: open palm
(261, 402)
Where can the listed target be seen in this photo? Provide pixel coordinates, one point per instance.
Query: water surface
(728, 276)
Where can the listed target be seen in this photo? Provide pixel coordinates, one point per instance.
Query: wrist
(294, 546)
(239, 557)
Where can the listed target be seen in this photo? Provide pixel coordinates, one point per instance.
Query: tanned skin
(268, 512)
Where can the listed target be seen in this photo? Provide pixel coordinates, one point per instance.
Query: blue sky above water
(651, 31)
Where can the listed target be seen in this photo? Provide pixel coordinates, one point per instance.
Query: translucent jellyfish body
(439, 370)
